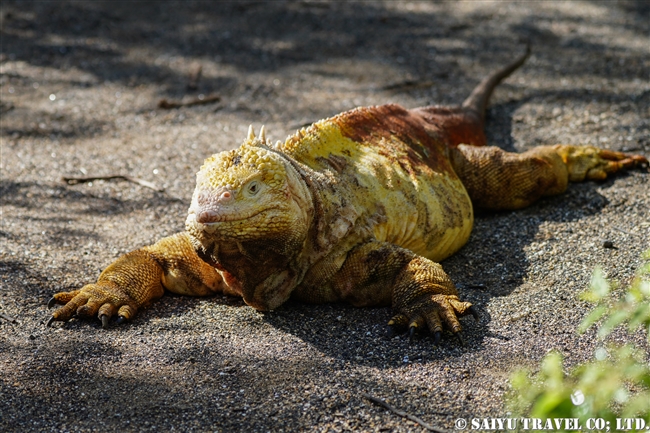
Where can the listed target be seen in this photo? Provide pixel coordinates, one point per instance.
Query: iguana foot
(99, 299)
(425, 297)
(130, 282)
(433, 312)
(137, 278)
(419, 290)
(592, 163)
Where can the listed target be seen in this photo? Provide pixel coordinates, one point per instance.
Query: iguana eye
(253, 187)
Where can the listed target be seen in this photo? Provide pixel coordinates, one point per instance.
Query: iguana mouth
(210, 219)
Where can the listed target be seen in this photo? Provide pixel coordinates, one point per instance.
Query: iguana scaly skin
(356, 208)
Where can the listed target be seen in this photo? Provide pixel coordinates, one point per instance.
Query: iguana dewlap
(357, 208)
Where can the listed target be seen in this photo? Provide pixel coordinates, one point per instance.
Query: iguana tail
(480, 96)
(465, 124)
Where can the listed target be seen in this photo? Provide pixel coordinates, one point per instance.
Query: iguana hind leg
(137, 278)
(500, 180)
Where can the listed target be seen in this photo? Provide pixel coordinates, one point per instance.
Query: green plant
(613, 388)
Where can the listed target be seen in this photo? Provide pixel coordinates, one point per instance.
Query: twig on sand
(380, 402)
(199, 100)
(142, 182)
(8, 318)
(623, 231)
(407, 85)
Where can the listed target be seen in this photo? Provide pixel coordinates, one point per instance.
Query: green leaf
(520, 380)
(593, 317)
(638, 317)
(612, 322)
(638, 406)
(644, 286)
(615, 385)
(599, 286)
(547, 404)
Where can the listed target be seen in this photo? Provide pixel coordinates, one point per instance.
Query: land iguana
(358, 208)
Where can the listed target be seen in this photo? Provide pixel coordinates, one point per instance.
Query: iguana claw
(473, 312)
(436, 337)
(412, 333)
(105, 320)
(93, 300)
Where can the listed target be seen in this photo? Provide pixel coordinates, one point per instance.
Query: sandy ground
(80, 85)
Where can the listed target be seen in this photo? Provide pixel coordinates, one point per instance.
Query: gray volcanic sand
(80, 85)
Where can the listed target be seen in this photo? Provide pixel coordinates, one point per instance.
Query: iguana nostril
(225, 196)
(206, 216)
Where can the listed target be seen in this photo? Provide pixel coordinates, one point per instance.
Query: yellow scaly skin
(357, 208)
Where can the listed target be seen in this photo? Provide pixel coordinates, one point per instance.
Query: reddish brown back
(457, 125)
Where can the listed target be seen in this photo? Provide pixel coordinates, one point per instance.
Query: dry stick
(8, 318)
(407, 84)
(380, 402)
(624, 231)
(76, 180)
(200, 100)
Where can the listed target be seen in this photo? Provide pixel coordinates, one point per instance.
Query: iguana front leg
(137, 278)
(420, 292)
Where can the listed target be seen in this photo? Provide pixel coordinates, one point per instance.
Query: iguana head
(250, 214)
